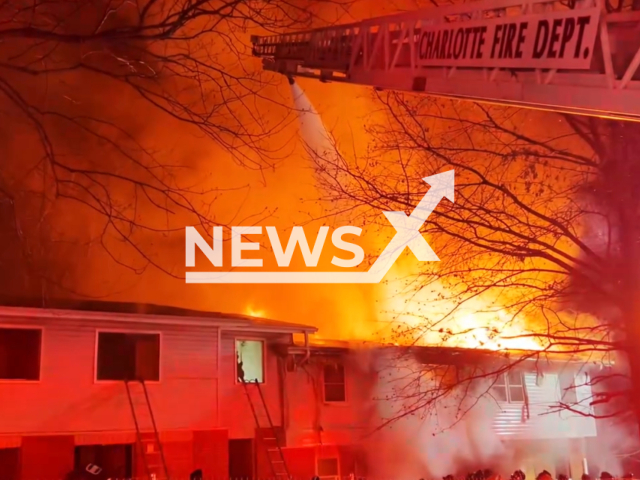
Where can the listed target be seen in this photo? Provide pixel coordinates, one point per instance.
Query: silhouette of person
(240, 370)
(518, 475)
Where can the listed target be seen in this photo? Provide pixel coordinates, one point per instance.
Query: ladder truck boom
(575, 57)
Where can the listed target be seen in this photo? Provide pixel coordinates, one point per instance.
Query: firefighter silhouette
(240, 369)
(544, 475)
(518, 475)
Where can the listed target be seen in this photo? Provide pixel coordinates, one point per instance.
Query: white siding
(68, 400)
(341, 423)
(543, 422)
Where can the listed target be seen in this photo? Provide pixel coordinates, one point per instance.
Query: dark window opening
(127, 356)
(328, 467)
(241, 457)
(116, 461)
(334, 383)
(20, 353)
(509, 388)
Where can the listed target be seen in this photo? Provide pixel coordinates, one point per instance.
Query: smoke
(454, 435)
(609, 201)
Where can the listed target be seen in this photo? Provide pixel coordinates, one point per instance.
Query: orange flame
(424, 318)
(253, 312)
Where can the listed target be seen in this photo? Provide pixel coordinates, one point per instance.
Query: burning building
(156, 390)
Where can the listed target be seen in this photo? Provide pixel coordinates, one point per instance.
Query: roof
(141, 312)
(438, 353)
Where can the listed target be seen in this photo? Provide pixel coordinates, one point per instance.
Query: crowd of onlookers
(544, 475)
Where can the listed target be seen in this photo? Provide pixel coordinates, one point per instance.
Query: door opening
(116, 461)
(241, 457)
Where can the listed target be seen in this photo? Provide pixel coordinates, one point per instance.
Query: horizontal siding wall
(67, 398)
(341, 423)
(543, 421)
(235, 410)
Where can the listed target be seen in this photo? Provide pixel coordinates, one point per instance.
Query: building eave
(223, 322)
(450, 355)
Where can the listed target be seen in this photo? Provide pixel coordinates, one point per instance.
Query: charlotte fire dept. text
(561, 39)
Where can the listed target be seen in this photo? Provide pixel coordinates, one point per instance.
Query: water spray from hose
(318, 142)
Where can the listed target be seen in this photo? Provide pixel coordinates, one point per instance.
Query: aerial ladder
(574, 56)
(147, 435)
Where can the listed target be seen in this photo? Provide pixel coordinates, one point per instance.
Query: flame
(479, 330)
(252, 312)
(497, 333)
(428, 318)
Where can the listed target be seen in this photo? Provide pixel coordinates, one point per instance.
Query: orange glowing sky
(282, 196)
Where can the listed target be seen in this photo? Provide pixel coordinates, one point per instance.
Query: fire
(498, 333)
(424, 317)
(481, 330)
(252, 312)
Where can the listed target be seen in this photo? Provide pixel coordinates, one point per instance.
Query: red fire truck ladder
(573, 56)
(149, 442)
(269, 435)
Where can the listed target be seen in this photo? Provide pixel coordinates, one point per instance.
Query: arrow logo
(407, 236)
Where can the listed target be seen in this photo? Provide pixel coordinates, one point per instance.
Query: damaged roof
(439, 354)
(126, 311)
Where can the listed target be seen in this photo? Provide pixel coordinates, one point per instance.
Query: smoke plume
(453, 436)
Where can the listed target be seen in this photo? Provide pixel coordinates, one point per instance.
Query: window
(328, 468)
(509, 387)
(250, 360)
(128, 356)
(20, 353)
(334, 383)
(567, 382)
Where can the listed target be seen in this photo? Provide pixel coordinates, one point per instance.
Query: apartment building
(305, 409)
(64, 400)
